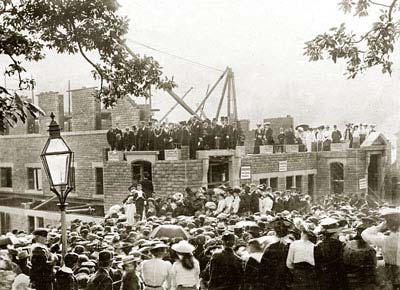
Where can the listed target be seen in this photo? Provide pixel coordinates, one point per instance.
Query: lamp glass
(56, 145)
(58, 166)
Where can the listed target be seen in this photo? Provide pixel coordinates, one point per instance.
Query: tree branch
(99, 71)
(391, 10)
(18, 71)
(379, 4)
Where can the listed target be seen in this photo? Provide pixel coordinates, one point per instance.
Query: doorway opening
(373, 174)
(337, 178)
(138, 170)
(218, 171)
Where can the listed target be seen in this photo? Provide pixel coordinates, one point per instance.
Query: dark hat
(105, 258)
(71, 258)
(43, 232)
(228, 237)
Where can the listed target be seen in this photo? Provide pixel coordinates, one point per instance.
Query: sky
(262, 41)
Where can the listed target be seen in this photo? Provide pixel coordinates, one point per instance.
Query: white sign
(245, 172)
(282, 166)
(363, 183)
(267, 149)
(173, 154)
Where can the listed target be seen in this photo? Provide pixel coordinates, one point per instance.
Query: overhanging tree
(29, 27)
(363, 51)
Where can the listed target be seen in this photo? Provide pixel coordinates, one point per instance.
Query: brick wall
(50, 102)
(270, 163)
(354, 164)
(117, 179)
(126, 112)
(174, 176)
(85, 110)
(23, 151)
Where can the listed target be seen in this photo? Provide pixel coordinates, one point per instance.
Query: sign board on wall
(267, 149)
(282, 166)
(363, 183)
(172, 154)
(245, 172)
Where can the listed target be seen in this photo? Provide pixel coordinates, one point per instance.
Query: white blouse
(185, 277)
(300, 251)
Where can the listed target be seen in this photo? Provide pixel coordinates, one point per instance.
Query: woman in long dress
(130, 211)
(300, 260)
(185, 272)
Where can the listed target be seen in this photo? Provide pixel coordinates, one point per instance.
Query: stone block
(267, 149)
(291, 148)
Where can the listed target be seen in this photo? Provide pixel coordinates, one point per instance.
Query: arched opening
(139, 168)
(337, 178)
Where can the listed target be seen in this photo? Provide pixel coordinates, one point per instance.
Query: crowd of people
(247, 238)
(195, 133)
(309, 138)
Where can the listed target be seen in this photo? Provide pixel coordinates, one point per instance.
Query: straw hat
(129, 260)
(329, 225)
(183, 247)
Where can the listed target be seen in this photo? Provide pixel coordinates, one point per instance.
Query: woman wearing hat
(156, 272)
(186, 270)
(389, 244)
(328, 257)
(130, 280)
(359, 260)
(274, 273)
(300, 260)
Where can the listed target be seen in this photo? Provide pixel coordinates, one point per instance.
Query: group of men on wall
(196, 134)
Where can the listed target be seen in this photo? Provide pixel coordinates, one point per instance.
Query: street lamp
(57, 158)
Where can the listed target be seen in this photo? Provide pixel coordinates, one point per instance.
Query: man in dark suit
(216, 133)
(111, 138)
(336, 135)
(147, 185)
(185, 135)
(224, 133)
(117, 130)
(268, 134)
(225, 268)
(102, 280)
(143, 137)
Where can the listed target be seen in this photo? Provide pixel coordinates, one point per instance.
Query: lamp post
(57, 158)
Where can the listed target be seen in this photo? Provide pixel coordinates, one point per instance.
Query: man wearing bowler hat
(102, 280)
(225, 268)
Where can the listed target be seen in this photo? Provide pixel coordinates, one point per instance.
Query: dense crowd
(196, 134)
(309, 138)
(247, 238)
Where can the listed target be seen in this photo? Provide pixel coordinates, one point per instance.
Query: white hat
(389, 211)
(329, 225)
(183, 247)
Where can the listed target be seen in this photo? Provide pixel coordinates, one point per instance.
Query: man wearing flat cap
(102, 280)
(225, 268)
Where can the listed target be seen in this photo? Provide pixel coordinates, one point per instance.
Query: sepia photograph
(199, 145)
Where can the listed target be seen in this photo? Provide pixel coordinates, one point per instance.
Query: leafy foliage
(28, 27)
(372, 48)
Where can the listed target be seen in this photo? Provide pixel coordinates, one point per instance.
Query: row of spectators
(197, 134)
(311, 139)
(248, 200)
